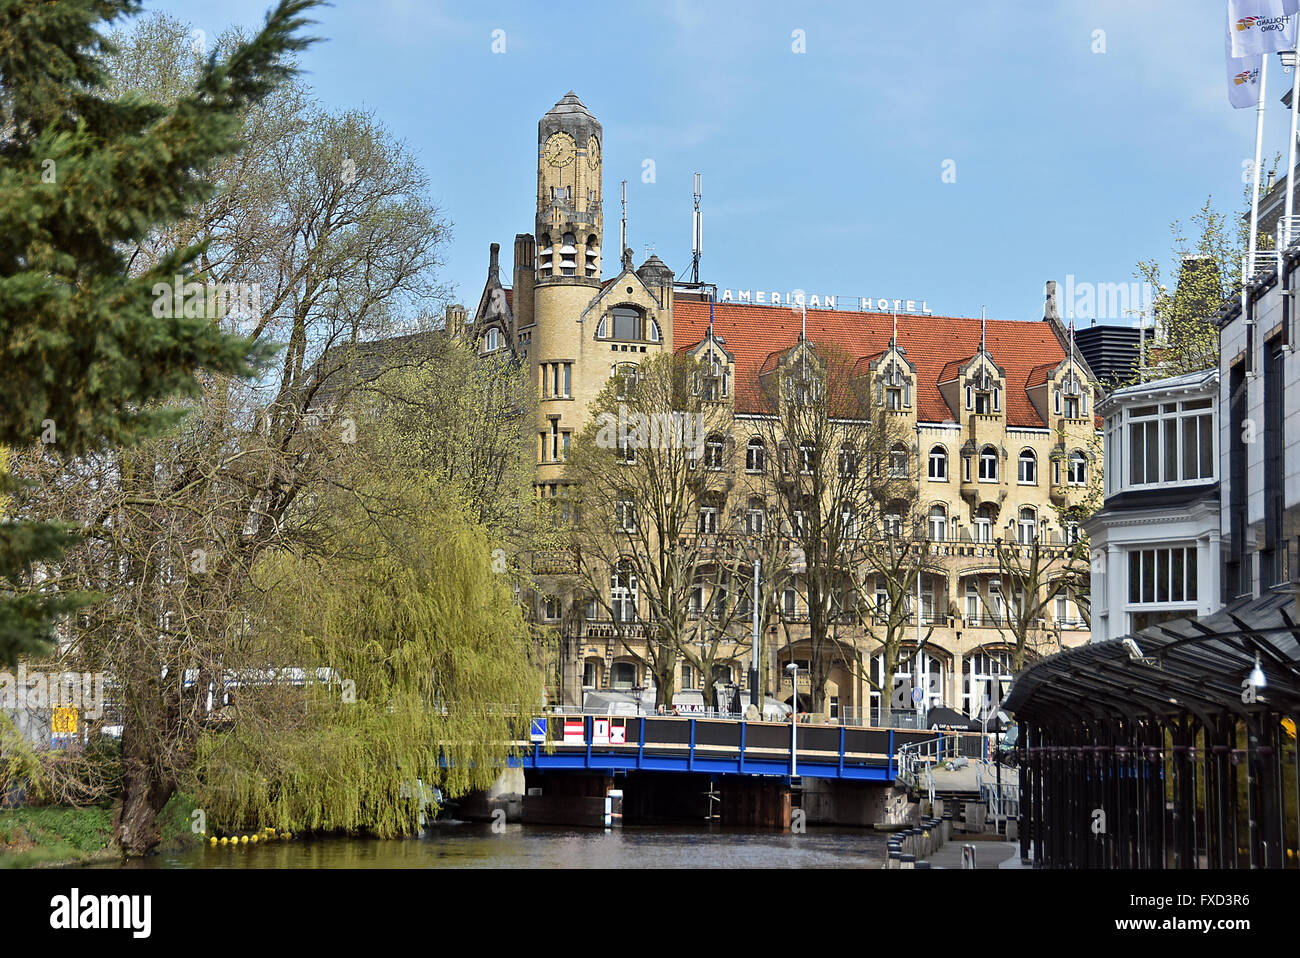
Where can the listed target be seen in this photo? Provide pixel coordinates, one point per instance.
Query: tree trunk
(143, 797)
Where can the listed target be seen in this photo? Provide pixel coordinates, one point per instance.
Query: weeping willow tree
(414, 653)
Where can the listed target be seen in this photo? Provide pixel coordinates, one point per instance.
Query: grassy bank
(60, 835)
(52, 835)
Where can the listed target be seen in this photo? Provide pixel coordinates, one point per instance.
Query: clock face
(593, 153)
(560, 150)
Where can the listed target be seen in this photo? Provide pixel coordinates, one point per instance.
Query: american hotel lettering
(797, 297)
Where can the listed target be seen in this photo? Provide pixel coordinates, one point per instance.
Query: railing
(1255, 267)
(1288, 231)
(916, 761)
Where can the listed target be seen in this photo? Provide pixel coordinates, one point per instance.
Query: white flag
(1243, 77)
(1261, 26)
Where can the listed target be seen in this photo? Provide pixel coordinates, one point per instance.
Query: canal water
(472, 845)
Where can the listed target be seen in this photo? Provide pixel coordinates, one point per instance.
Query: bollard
(968, 856)
(909, 861)
(895, 859)
(1013, 829)
(947, 826)
(922, 864)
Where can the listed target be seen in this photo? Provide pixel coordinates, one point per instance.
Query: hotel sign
(797, 297)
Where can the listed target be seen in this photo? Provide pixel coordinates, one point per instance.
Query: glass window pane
(1151, 440)
(1206, 446)
(1136, 457)
(1191, 461)
(1148, 575)
(1162, 575)
(1191, 574)
(1134, 576)
(1177, 575)
(1171, 450)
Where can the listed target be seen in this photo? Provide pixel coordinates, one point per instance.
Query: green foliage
(32, 836)
(1207, 259)
(427, 650)
(84, 178)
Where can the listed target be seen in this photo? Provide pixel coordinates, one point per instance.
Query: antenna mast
(622, 226)
(697, 234)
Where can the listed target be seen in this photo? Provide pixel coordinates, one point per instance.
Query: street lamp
(793, 669)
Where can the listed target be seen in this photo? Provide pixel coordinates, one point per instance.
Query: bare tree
(838, 478)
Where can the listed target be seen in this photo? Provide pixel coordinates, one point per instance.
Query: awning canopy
(1196, 666)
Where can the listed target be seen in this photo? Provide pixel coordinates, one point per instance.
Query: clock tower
(569, 221)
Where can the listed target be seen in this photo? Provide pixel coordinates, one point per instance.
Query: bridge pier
(756, 802)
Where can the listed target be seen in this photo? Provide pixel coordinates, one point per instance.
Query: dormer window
(491, 340)
(626, 322)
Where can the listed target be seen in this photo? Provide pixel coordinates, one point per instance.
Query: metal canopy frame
(1166, 756)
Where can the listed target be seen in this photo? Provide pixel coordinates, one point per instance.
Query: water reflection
(466, 845)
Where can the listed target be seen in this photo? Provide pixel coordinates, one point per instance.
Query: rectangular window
(1171, 449)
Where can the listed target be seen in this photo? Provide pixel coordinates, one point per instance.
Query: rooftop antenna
(622, 226)
(893, 340)
(982, 324)
(697, 234)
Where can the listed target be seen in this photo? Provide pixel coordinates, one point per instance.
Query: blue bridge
(615, 744)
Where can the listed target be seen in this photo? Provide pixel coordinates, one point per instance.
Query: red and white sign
(600, 731)
(618, 734)
(573, 732)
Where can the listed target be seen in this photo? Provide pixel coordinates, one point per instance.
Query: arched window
(938, 463)
(988, 464)
(622, 675)
(894, 518)
(714, 452)
(755, 518)
(1078, 469)
(756, 456)
(591, 256)
(898, 461)
(626, 376)
(1028, 525)
(1028, 467)
(626, 324)
(653, 335)
(938, 523)
(492, 340)
(984, 523)
(625, 517)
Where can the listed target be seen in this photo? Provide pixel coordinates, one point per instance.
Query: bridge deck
(717, 746)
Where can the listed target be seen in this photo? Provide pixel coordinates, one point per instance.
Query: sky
(955, 152)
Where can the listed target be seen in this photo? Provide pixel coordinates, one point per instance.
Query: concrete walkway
(988, 854)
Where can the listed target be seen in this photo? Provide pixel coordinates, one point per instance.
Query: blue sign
(537, 730)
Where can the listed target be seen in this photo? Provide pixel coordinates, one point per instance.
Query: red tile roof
(753, 333)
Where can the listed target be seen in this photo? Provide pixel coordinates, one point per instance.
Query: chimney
(455, 320)
(1050, 311)
(525, 278)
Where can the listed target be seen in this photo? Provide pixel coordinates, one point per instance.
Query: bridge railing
(711, 744)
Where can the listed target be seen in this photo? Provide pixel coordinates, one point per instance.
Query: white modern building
(1155, 542)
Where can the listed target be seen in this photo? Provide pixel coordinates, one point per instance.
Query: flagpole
(1259, 149)
(1290, 168)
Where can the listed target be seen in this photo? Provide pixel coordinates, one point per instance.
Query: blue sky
(822, 170)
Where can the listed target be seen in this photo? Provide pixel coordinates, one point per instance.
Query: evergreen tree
(88, 346)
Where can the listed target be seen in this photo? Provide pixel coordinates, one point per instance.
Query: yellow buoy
(253, 839)
(224, 839)
(243, 840)
(212, 841)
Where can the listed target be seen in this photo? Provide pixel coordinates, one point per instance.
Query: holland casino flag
(1243, 76)
(1261, 26)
